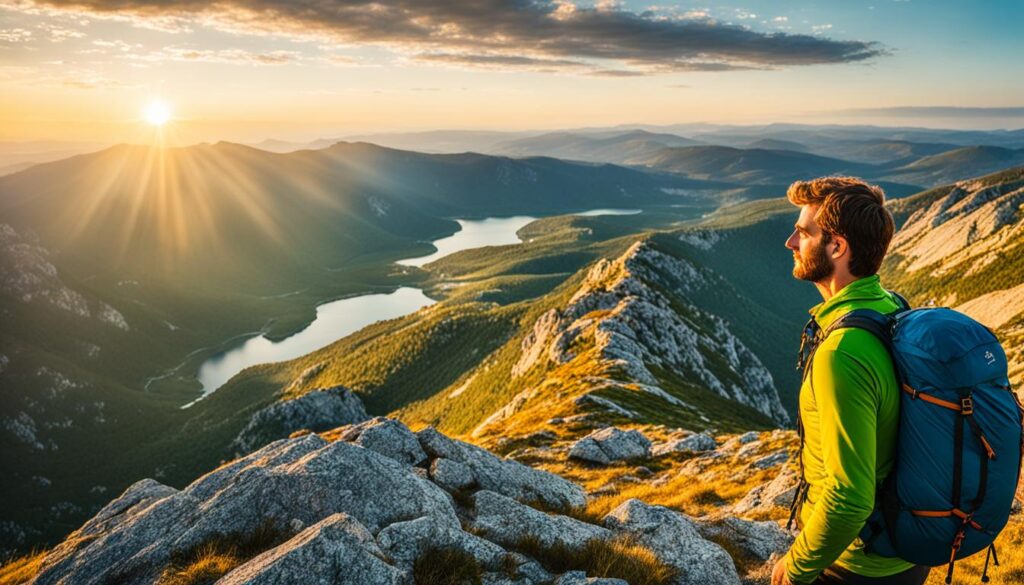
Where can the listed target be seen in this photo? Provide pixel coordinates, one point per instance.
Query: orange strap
(932, 399)
(945, 513)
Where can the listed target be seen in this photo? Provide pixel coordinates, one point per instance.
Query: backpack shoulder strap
(878, 324)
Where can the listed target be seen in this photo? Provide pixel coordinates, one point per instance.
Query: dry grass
(1010, 548)
(211, 560)
(207, 566)
(22, 569)
(621, 557)
(446, 566)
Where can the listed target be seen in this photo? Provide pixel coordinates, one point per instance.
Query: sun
(157, 112)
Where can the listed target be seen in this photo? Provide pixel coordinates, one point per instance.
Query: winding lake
(342, 317)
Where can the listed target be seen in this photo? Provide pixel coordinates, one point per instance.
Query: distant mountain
(956, 165)
(748, 165)
(775, 144)
(442, 141)
(15, 156)
(285, 146)
(881, 152)
(623, 148)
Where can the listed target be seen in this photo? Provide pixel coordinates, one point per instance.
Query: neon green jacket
(849, 405)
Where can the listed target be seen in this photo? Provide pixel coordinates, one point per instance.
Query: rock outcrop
(611, 444)
(315, 411)
(370, 506)
(623, 310)
(675, 540)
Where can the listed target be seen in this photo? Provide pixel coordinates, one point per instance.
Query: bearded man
(849, 399)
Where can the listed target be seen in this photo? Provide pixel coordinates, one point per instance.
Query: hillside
(619, 147)
(124, 269)
(961, 246)
(956, 165)
(747, 165)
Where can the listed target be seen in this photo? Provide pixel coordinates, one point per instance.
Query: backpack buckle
(966, 406)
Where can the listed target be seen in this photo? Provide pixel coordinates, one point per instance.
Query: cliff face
(626, 330)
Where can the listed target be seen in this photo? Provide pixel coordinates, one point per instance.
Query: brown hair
(853, 209)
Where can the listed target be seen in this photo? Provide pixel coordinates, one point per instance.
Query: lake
(337, 319)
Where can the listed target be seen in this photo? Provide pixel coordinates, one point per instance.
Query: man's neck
(831, 287)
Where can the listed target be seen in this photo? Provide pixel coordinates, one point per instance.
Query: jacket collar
(862, 290)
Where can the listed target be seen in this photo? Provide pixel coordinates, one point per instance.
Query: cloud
(225, 56)
(14, 35)
(545, 30)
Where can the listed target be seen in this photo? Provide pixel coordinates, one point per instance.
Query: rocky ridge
(628, 316)
(368, 506)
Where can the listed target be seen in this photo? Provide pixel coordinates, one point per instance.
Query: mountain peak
(628, 336)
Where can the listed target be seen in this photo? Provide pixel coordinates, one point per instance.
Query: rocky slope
(377, 503)
(961, 246)
(625, 342)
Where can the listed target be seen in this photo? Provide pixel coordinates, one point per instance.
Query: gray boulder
(757, 540)
(451, 475)
(694, 443)
(337, 550)
(320, 410)
(297, 481)
(674, 539)
(404, 542)
(507, 522)
(773, 459)
(388, 437)
(580, 578)
(504, 476)
(611, 444)
(766, 498)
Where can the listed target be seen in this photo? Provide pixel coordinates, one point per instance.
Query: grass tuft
(211, 560)
(621, 557)
(22, 569)
(446, 566)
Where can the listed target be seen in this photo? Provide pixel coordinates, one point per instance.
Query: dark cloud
(497, 60)
(485, 31)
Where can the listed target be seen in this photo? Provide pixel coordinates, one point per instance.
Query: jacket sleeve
(846, 396)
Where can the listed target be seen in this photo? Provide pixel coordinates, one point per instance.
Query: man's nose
(793, 243)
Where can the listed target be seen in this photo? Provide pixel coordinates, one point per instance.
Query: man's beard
(817, 266)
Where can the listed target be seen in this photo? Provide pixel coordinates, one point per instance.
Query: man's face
(811, 260)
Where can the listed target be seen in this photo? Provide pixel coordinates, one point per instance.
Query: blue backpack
(960, 439)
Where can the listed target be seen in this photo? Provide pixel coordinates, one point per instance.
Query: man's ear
(839, 247)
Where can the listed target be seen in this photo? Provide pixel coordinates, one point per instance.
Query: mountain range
(682, 317)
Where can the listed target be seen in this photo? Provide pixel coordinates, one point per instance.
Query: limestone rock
(319, 410)
(451, 475)
(611, 444)
(506, 477)
(337, 550)
(758, 540)
(778, 493)
(507, 522)
(674, 539)
(387, 437)
(580, 578)
(773, 459)
(694, 443)
(404, 542)
(304, 479)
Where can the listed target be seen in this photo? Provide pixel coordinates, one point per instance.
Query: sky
(248, 70)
